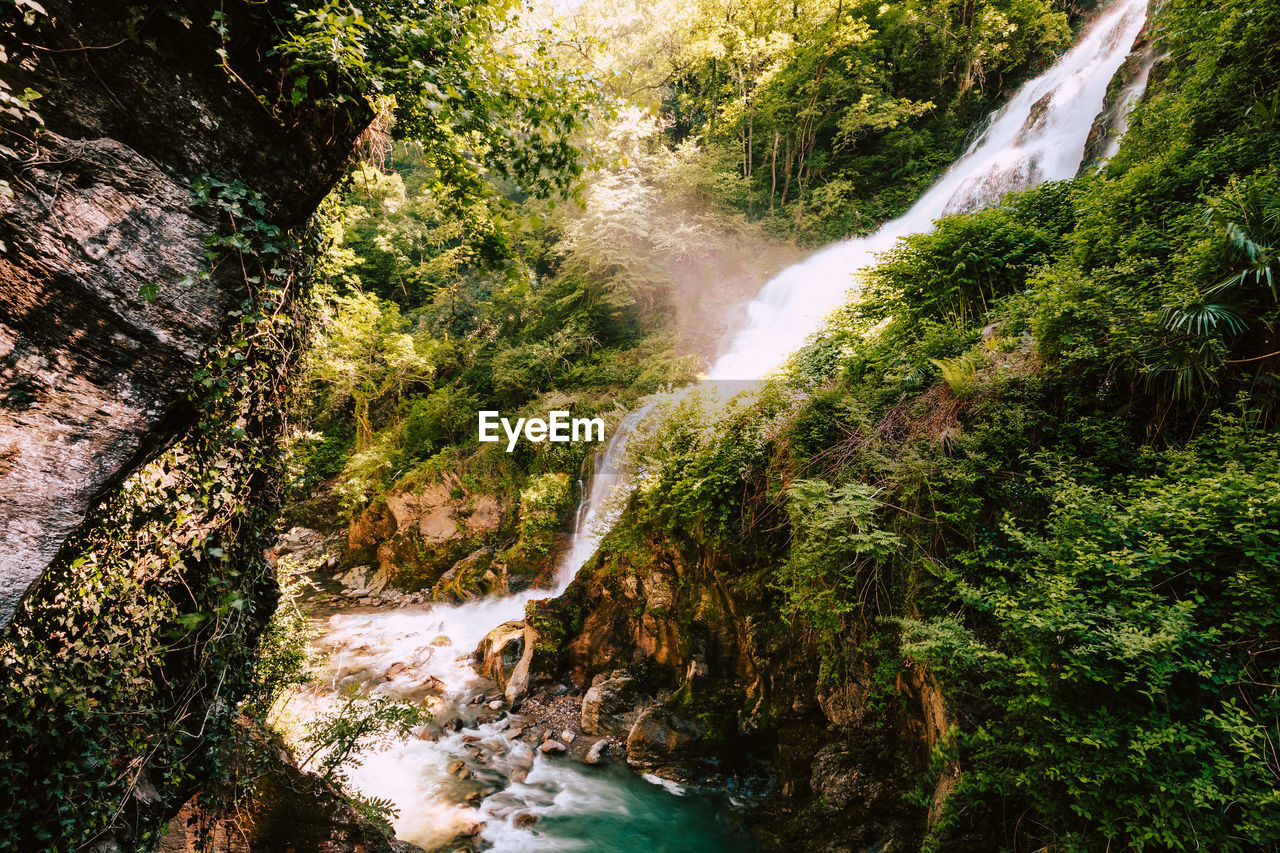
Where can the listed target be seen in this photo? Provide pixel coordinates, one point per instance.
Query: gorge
(629, 425)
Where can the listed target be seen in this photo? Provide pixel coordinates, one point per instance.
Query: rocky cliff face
(714, 687)
(1148, 61)
(135, 102)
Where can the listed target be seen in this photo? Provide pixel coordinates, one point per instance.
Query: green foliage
(957, 272)
(697, 458)
(1250, 220)
(283, 657)
(419, 330)
(123, 667)
(545, 505)
(831, 576)
(367, 357)
(1040, 449)
(462, 83)
(1130, 675)
(358, 724)
(960, 373)
(828, 116)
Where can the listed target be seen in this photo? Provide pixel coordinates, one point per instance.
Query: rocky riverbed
(495, 767)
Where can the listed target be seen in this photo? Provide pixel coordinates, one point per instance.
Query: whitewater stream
(424, 652)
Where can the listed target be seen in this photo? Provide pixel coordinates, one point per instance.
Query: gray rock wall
(136, 104)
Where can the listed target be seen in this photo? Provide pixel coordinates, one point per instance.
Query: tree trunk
(773, 171)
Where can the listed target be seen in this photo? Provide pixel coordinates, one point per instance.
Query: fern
(960, 373)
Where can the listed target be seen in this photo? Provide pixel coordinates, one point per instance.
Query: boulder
(522, 675)
(841, 782)
(473, 576)
(302, 542)
(659, 739)
(500, 651)
(373, 525)
(610, 705)
(553, 747)
(595, 755)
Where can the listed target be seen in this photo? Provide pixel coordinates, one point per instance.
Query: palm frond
(1204, 319)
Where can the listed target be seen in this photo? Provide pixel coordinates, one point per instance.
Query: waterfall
(1039, 135)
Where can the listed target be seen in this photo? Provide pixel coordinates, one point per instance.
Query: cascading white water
(1039, 135)
(424, 653)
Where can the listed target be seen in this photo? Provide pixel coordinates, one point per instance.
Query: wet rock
(302, 542)
(1035, 117)
(518, 775)
(94, 374)
(517, 681)
(524, 820)
(455, 767)
(1127, 88)
(441, 641)
(659, 739)
(495, 705)
(567, 736)
(521, 756)
(553, 747)
(595, 755)
(841, 782)
(472, 577)
(609, 705)
(364, 582)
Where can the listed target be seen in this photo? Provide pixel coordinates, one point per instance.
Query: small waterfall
(603, 503)
(425, 652)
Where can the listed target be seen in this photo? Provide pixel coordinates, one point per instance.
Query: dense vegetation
(125, 669)
(1039, 456)
(431, 312)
